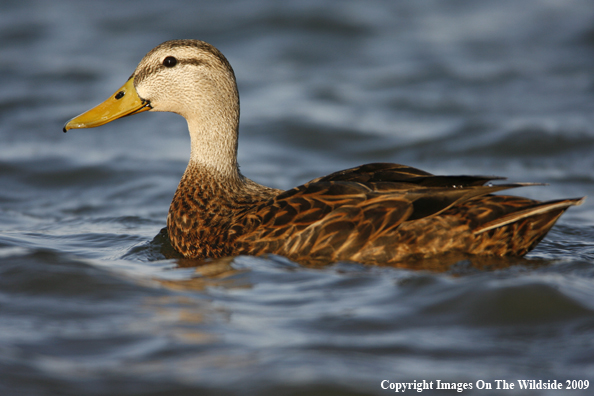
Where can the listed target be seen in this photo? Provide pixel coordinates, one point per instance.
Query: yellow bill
(124, 102)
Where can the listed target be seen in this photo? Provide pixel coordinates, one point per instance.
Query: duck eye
(170, 61)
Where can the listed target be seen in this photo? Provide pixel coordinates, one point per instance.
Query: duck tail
(549, 211)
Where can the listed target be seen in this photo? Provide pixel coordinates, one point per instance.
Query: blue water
(90, 305)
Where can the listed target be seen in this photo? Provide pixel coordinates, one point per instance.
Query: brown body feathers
(374, 214)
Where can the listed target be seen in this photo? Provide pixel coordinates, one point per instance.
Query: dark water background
(89, 305)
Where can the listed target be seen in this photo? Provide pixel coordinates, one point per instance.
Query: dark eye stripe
(147, 71)
(195, 62)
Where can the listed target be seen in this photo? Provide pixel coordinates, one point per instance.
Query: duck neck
(214, 147)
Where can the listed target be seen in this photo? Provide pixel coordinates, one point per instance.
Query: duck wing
(396, 173)
(343, 215)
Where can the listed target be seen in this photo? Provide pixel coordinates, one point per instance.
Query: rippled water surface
(89, 305)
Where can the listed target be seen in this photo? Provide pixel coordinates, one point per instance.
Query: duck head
(188, 77)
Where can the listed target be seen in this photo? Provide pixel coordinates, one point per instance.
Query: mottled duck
(378, 213)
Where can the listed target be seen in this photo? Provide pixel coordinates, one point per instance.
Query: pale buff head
(190, 78)
(193, 79)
